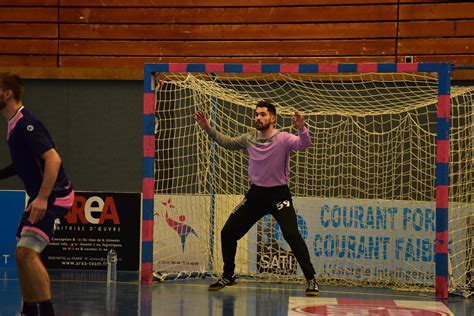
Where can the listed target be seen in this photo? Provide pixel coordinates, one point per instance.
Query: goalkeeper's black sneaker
(222, 282)
(313, 288)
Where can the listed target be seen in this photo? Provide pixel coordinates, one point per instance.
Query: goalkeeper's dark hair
(12, 82)
(270, 107)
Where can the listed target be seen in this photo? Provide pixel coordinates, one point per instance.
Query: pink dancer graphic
(179, 226)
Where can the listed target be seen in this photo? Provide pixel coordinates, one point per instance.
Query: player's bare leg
(34, 279)
(34, 283)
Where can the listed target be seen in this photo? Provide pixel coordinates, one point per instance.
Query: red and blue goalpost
(443, 72)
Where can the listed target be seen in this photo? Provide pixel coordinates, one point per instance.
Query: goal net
(364, 191)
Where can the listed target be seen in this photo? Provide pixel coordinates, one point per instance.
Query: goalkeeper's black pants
(258, 202)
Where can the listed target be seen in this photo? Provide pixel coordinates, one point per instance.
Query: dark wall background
(97, 128)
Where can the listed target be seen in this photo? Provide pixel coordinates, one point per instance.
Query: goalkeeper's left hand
(298, 120)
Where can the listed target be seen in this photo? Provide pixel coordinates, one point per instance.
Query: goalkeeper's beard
(261, 127)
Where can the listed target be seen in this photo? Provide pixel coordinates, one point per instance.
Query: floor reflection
(87, 293)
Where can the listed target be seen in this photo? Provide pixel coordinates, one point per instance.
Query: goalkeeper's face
(263, 119)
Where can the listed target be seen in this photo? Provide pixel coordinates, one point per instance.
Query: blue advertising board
(12, 205)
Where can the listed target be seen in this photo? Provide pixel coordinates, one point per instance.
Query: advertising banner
(186, 235)
(352, 238)
(346, 238)
(97, 223)
(181, 233)
(12, 207)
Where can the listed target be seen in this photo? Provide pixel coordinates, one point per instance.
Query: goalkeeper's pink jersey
(268, 157)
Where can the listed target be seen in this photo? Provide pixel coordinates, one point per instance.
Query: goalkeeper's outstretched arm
(7, 172)
(303, 140)
(231, 143)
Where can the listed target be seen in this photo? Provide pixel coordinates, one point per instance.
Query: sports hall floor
(87, 293)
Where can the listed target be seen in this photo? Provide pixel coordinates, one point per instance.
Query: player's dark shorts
(57, 208)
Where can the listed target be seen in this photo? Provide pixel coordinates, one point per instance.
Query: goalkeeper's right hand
(202, 121)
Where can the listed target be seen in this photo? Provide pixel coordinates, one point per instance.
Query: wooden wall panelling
(453, 59)
(229, 32)
(24, 14)
(424, 1)
(213, 3)
(436, 29)
(239, 15)
(28, 61)
(93, 34)
(436, 46)
(28, 46)
(437, 11)
(100, 73)
(440, 31)
(29, 33)
(29, 30)
(227, 48)
(20, 3)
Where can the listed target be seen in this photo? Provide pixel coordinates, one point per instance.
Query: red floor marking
(351, 306)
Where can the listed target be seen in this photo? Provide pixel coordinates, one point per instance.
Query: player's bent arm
(52, 163)
(221, 139)
(230, 143)
(7, 172)
(302, 141)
